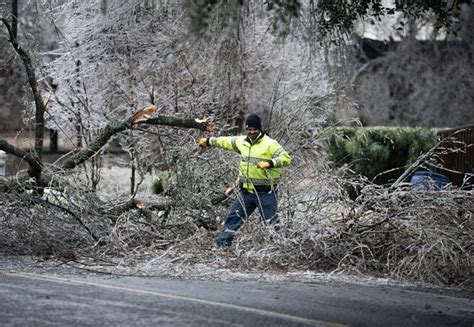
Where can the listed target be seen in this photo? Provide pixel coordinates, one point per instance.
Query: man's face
(252, 132)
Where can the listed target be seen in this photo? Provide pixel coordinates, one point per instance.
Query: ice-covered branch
(35, 87)
(116, 127)
(29, 157)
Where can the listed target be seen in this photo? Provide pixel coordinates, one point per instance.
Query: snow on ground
(38, 265)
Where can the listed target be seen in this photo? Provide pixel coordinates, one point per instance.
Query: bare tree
(34, 158)
(415, 75)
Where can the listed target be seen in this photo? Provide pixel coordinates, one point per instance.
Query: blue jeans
(242, 208)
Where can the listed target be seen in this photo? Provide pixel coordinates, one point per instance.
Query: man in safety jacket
(259, 172)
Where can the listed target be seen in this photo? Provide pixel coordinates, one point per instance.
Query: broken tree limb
(116, 127)
(162, 205)
(219, 198)
(99, 141)
(201, 124)
(137, 204)
(144, 114)
(29, 157)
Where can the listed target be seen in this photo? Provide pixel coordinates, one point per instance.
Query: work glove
(203, 142)
(264, 164)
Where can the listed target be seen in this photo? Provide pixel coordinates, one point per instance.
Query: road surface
(39, 299)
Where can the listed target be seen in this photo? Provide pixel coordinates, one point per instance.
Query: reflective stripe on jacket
(263, 148)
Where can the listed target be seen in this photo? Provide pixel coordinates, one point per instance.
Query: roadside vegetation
(133, 74)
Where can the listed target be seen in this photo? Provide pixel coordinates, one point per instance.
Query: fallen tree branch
(156, 206)
(100, 140)
(79, 220)
(137, 204)
(29, 157)
(116, 127)
(203, 124)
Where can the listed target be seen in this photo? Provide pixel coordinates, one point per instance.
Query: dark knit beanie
(253, 121)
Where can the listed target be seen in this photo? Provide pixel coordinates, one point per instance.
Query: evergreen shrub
(379, 153)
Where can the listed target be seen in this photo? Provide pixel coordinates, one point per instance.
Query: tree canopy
(329, 16)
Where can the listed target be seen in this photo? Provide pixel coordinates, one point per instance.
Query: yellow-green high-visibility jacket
(263, 148)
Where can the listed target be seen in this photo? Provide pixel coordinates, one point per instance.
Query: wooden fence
(456, 155)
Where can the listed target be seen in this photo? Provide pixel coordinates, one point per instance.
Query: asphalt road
(29, 299)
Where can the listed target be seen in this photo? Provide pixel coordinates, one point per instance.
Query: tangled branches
(399, 233)
(32, 225)
(415, 234)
